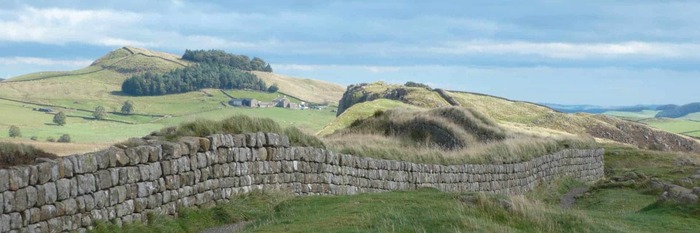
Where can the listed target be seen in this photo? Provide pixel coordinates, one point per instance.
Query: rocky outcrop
(126, 184)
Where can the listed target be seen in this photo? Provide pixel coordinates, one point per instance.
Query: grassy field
(680, 126)
(633, 116)
(604, 209)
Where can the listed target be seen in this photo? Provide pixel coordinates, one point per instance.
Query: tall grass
(506, 151)
(450, 127)
(19, 154)
(448, 135)
(236, 125)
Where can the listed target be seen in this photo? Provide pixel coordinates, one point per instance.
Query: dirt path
(569, 198)
(231, 228)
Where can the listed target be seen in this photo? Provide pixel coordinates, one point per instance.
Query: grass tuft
(19, 154)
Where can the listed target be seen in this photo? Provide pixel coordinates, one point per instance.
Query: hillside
(79, 92)
(522, 116)
(314, 91)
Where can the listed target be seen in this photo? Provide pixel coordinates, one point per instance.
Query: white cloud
(571, 50)
(60, 26)
(43, 61)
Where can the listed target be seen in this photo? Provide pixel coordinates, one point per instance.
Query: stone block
(50, 193)
(4, 181)
(86, 184)
(251, 139)
(31, 196)
(19, 177)
(33, 174)
(20, 200)
(48, 171)
(239, 140)
(204, 145)
(284, 141)
(103, 179)
(272, 140)
(171, 150)
(84, 164)
(260, 139)
(102, 159)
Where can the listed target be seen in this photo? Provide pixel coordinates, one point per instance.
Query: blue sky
(592, 52)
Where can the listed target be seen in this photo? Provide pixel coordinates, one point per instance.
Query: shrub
(59, 118)
(415, 84)
(50, 139)
(64, 138)
(34, 138)
(128, 107)
(15, 132)
(100, 113)
(274, 88)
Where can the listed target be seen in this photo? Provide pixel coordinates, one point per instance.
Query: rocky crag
(127, 183)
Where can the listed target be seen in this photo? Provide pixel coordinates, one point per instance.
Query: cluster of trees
(192, 78)
(678, 111)
(240, 62)
(416, 84)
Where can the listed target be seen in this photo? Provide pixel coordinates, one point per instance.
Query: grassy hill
(79, 92)
(310, 90)
(516, 115)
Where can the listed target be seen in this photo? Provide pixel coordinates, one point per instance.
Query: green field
(680, 126)
(634, 116)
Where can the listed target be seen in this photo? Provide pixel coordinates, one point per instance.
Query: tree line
(674, 111)
(192, 78)
(240, 62)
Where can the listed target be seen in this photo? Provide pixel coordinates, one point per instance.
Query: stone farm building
(280, 102)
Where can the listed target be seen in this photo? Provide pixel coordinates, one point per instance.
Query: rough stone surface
(127, 184)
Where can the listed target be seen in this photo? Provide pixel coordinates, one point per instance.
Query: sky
(607, 53)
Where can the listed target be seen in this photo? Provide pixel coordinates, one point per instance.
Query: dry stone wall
(126, 184)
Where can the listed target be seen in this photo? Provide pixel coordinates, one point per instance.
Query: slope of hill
(310, 90)
(362, 111)
(417, 96)
(78, 93)
(524, 116)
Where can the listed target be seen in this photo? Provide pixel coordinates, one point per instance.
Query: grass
(309, 90)
(449, 135)
(680, 126)
(362, 111)
(633, 116)
(244, 207)
(19, 154)
(237, 125)
(604, 209)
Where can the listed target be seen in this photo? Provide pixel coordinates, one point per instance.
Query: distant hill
(595, 109)
(673, 111)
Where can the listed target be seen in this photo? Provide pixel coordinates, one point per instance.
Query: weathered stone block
(20, 200)
(84, 164)
(260, 139)
(171, 150)
(103, 179)
(50, 194)
(86, 184)
(204, 145)
(19, 177)
(4, 180)
(33, 174)
(251, 139)
(239, 140)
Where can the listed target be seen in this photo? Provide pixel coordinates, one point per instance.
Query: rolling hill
(522, 116)
(79, 92)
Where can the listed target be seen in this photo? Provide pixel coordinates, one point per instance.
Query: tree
(128, 107)
(59, 118)
(99, 113)
(64, 138)
(15, 132)
(274, 88)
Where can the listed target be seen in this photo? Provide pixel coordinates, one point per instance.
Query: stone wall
(125, 184)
